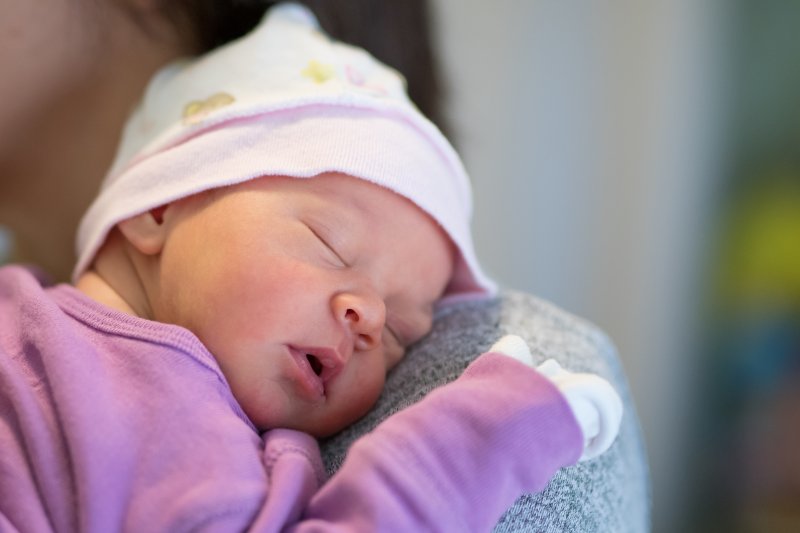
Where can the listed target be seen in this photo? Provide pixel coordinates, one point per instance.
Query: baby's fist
(594, 402)
(514, 347)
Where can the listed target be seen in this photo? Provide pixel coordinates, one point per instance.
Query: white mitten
(594, 402)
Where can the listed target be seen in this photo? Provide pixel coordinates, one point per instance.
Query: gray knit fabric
(608, 494)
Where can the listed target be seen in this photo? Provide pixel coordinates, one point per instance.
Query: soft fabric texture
(283, 100)
(609, 494)
(109, 422)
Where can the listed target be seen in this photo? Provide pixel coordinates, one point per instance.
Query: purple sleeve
(453, 462)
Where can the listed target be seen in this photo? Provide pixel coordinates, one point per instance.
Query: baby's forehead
(350, 191)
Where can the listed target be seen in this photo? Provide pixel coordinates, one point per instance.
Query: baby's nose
(364, 314)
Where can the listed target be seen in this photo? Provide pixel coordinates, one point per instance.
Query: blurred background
(638, 163)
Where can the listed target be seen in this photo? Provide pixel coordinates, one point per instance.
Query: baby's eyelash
(327, 245)
(397, 338)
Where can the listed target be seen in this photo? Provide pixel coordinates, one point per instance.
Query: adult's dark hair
(396, 32)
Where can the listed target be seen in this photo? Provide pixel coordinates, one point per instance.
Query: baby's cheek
(369, 384)
(264, 293)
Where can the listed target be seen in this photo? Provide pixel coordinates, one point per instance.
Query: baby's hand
(594, 402)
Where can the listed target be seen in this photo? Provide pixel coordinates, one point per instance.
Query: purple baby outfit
(109, 422)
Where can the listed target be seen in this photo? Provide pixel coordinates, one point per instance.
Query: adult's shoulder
(608, 494)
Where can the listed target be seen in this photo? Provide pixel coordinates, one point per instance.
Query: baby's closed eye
(394, 346)
(335, 257)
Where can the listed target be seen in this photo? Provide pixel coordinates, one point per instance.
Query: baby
(256, 262)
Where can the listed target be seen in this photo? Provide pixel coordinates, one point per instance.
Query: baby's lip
(331, 360)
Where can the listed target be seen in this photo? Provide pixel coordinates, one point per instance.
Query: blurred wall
(592, 134)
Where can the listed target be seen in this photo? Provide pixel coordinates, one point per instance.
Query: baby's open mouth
(320, 364)
(316, 366)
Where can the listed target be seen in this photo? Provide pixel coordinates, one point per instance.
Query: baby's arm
(454, 461)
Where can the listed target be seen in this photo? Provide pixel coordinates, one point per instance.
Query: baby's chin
(323, 426)
(318, 431)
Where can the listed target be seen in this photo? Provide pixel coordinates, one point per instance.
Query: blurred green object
(760, 260)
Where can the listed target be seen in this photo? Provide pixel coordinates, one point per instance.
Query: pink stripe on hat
(283, 100)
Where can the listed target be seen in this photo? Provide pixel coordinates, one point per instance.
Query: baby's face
(307, 291)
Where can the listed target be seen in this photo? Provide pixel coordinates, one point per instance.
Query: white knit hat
(283, 100)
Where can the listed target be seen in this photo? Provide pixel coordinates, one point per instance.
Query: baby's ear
(147, 231)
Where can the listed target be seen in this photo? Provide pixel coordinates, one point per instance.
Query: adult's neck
(59, 156)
